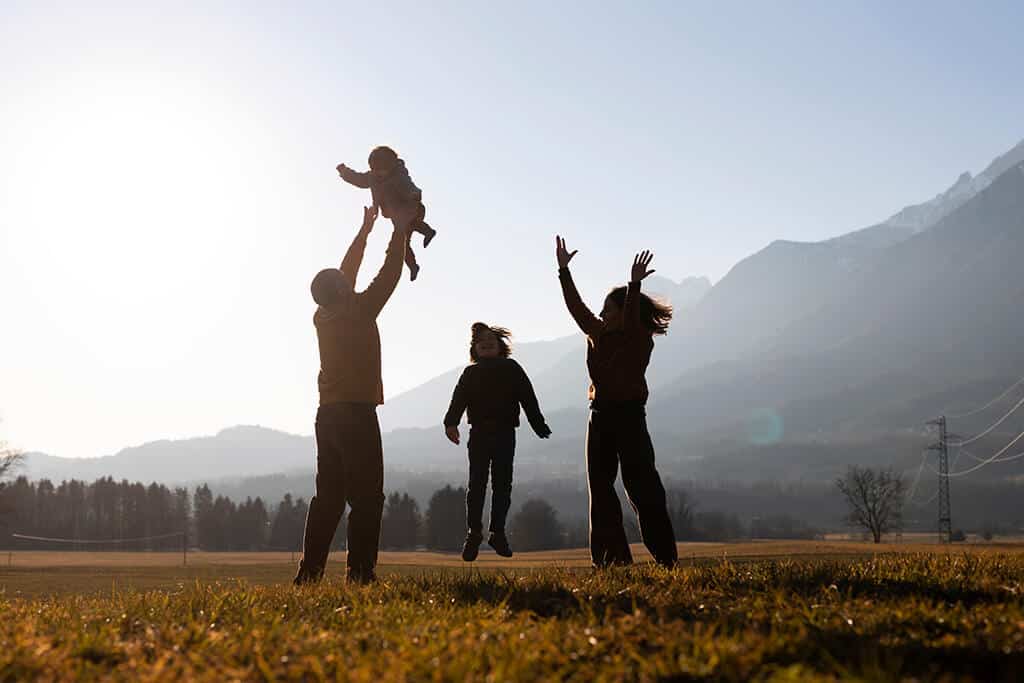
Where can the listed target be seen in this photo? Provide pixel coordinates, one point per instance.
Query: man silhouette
(349, 459)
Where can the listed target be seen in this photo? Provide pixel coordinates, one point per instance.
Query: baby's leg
(410, 260)
(422, 227)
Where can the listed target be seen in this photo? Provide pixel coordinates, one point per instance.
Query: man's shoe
(306, 577)
(361, 577)
(471, 548)
(499, 542)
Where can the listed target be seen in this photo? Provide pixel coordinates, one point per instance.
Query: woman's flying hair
(653, 315)
(502, 334)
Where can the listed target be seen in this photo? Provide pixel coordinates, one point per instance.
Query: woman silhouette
(619, 345)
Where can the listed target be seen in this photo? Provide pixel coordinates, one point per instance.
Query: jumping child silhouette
(491, 389)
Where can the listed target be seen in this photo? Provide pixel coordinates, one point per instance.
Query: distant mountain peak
(245, 431)
(918, 217)
(683, 294)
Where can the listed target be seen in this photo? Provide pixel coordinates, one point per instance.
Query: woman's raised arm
(588, 322)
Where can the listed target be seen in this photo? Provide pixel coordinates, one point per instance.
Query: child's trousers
(491, 450)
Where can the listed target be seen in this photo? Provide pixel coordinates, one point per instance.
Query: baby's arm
(364, 180)
(408, 188)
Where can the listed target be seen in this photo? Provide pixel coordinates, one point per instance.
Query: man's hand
(369, 217)
(543, 431)
(562, 254)
(640, 263)
(453, 434)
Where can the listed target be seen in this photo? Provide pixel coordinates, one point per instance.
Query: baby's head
(489, 342)
(382, 161)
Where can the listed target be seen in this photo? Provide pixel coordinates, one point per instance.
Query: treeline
(108, 510)
(105, 509)
(110, 515)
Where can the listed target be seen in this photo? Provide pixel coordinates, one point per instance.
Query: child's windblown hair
(653, 315)
(501, 334)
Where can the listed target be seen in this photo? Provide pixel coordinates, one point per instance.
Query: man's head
(330, 287)
(382, 161)
(489, 342)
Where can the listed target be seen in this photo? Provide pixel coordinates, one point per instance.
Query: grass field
(752, 611)
(41, 573)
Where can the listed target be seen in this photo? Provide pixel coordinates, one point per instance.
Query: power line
(926, 502)
(993, 426)
(989, 460)
(1000, 397)
(1009, 458)
(917, 477)
(176, 534)
(959, 453)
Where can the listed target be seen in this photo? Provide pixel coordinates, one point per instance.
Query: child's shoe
(471, 548)
(429, 236)
(499, 542)
(414, 272)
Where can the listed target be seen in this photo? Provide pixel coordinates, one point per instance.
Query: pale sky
(167, 184)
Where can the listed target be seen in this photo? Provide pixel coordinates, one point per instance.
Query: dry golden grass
(919, 616)
(578, 557)
(37, 573)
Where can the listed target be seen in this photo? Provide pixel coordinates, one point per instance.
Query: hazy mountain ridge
(800, 347)
(232, 452)
(922, 216)
(935, 310)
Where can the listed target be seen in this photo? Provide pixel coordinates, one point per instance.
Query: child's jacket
(396, 189)
(491, 391)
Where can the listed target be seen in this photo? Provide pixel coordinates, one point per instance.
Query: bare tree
(681, 511)
(875, 498)
(9, 459)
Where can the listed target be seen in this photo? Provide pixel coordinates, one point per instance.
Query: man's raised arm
(379, 291)
(354, 256)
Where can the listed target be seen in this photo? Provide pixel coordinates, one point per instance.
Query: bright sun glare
(123, 207)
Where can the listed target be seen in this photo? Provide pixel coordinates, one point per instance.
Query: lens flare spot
(765, 427)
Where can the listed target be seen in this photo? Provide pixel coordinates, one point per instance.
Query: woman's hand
(562, 254)
(640, 263)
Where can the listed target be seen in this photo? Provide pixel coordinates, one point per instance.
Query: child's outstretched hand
(453, 434)
(341, 168)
